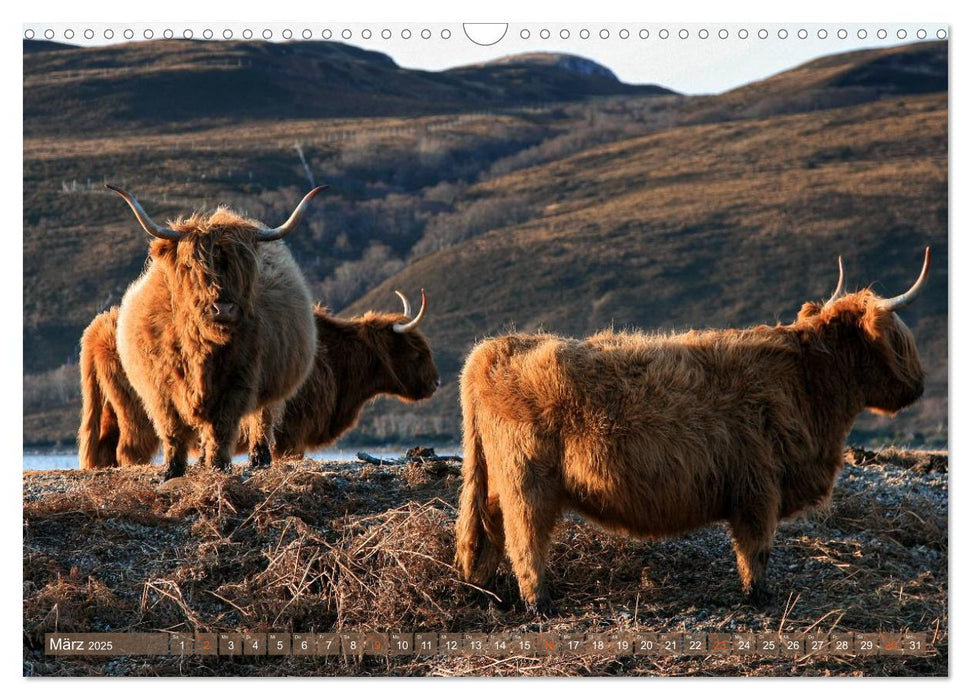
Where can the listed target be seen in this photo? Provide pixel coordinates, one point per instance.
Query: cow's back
(652, 435)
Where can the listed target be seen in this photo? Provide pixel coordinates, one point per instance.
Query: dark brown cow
(357, 359)
(655, 435)
(220, 326)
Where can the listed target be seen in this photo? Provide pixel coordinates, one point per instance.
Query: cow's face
(895, 375)
(873, 341)
(411, 365)
(401, 351)
(213, 271)
(218, 271)
(876, 349)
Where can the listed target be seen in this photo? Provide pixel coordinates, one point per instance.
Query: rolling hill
(648, 210)
(713, 225)
(172, 85)
(838, 80)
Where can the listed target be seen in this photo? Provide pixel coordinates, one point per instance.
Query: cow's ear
(876, 322)
(160, 249)
(809, 309)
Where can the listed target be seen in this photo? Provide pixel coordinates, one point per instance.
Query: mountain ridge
(161, 84)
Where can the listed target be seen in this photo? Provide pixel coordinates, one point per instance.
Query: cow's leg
(285, 445)
(752, 535)
(137, 438)
(259, 428)
(176, 449)
(530, 508)
(176, 437)
(492, 545)
(136, 449)
(260, 456)
(110, 437)
(218, 441)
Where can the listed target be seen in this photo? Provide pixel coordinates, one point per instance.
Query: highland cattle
(655, 435)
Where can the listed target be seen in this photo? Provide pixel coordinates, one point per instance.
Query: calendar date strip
(351, 645)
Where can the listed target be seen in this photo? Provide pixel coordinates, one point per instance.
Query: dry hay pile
(319, 547)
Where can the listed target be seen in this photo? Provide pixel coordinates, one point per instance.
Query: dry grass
(310, 546)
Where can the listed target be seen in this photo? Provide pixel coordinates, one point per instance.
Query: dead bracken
(311, 546)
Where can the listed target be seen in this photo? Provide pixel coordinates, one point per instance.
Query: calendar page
(512, 349)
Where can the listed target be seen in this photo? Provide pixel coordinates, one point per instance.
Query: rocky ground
(319, 546)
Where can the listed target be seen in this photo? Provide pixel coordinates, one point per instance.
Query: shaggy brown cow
(356, 360)
(219, 326)
(655, 435)
(114, 426)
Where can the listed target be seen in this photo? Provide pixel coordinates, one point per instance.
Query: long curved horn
(405, 303)
(839, 284)
(290, 225)
(899, 302)
(144, 219)
(413, 323)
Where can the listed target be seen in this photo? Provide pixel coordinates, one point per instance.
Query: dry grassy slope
(178, 84)
(839, 80)
(910, 68)
(712, 225)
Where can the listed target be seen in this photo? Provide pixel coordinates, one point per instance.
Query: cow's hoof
(173, 473)
(542, 608)
(220, 465)
(260, 457)
(759, 596)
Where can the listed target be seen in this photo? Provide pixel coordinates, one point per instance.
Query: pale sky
(646, 54)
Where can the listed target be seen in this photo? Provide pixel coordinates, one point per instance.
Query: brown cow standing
(356, 360)
(655, 435)
(218, 327)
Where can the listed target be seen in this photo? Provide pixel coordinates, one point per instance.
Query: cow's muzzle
(224, 312)
(431, 388)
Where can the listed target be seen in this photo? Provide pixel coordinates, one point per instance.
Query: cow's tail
(477, 548)
(92, 404)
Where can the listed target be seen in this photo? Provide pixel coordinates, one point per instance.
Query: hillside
(547, 76)
(655, 211)
(708, 226)
(838, 80)
(564, 61)
(176, 84)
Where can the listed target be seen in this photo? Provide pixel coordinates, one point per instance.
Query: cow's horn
(405, 303)
(275, 234)
(907, 297)
(144, 219)
(839, 284)
(413, 323)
